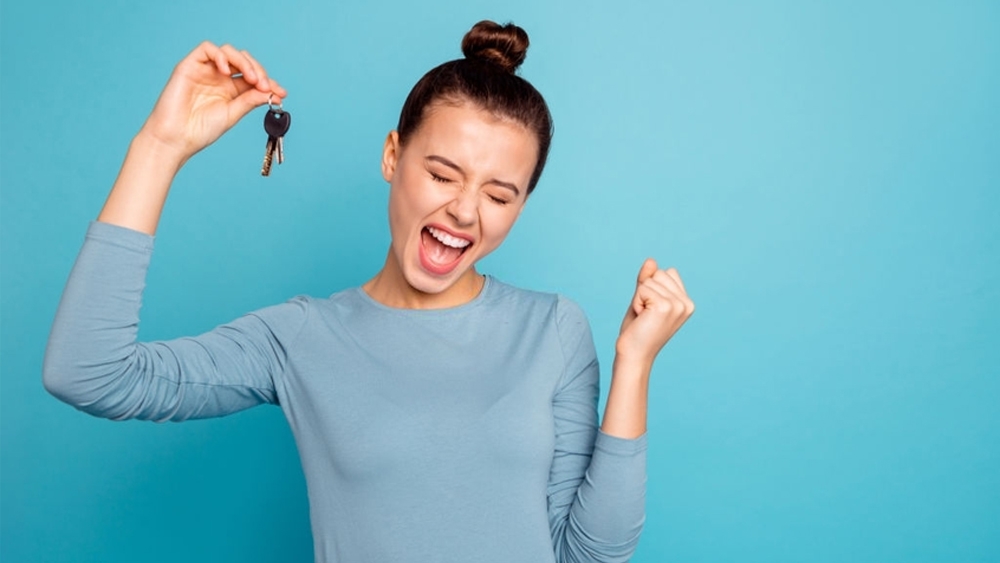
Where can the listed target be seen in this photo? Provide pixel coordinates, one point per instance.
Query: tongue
(439, 252)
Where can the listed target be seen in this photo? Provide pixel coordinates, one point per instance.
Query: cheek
(401, 218)
(497, 225)
(396, 209)
(403, 200)
(410, 203)
(415, 195)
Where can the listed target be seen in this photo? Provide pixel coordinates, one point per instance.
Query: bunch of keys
(276, 124)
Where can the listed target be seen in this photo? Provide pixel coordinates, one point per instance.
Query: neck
(390, 288)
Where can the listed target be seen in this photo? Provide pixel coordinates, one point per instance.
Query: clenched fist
(659, 307)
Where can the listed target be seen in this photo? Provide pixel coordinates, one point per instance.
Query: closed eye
(437, 178)
(498, 200)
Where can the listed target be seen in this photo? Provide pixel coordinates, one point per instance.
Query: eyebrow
(457, 168)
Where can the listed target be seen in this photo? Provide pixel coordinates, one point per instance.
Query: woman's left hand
(659, 307)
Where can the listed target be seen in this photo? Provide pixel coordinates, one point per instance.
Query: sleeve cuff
(620, 446)
(120, 236)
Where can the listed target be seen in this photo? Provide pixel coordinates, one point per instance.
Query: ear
(390, 155)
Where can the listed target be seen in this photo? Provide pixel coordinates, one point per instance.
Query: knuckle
(664, 306)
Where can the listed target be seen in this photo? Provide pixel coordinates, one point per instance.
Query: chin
(426, 282)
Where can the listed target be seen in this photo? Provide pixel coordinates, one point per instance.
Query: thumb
(245, 103)
(648, 269)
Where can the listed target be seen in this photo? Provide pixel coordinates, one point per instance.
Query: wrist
(140, 191)
(629, 356)
(628, 398)
(632, 366)
(149, 147)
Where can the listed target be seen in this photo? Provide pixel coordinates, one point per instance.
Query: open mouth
(440, 252)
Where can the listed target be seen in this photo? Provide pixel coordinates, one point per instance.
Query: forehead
(476, 140)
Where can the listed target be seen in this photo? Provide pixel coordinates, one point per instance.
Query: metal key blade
(265, 169)
(281, 150)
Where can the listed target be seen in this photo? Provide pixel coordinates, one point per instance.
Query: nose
(464, 207)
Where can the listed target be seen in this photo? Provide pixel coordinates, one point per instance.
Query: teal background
(825, 175)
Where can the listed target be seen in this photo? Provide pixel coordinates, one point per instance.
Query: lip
(451, 232)
(442, 269)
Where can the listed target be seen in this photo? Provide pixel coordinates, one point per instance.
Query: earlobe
(390, 155)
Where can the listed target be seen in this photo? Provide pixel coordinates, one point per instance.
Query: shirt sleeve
(597, 483)
(94, 362)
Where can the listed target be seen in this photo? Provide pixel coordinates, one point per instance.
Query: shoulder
(339, 304)
(348, 298)
(286, 318)
(308, 313)
(562, 310)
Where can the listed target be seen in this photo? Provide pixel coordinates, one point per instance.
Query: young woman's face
(456, 189)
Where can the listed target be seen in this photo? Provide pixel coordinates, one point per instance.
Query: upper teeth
(447, 239)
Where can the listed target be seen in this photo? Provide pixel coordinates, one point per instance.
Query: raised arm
(597, 483)
(93, 360)
(659, 307)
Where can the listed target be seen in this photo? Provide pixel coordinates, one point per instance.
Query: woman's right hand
(200, 102)
(203, 98)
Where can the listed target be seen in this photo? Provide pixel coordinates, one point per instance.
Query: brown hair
(486, 77)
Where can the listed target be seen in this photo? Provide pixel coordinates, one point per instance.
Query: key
(265, 169)
(276, 124)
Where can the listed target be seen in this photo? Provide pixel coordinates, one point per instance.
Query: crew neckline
(487, 289)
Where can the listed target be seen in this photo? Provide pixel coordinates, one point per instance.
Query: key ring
(271, 106)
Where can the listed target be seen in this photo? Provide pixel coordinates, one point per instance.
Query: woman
(441, 415)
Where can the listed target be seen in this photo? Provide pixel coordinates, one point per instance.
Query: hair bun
(503, 45)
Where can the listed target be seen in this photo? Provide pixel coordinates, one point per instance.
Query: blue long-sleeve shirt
(460, 434)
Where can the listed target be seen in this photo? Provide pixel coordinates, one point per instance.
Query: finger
(647, 293)
(658, 288)
(652, 294)
(668, 282)
(208, 52)
(658, 298)
(647, 270)
(241, 63)
(263, 82)
(673, 273)
(678, 299)
(278, 89)
(638, 304)
(279, 93)
(246, 102)
(647, 296)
